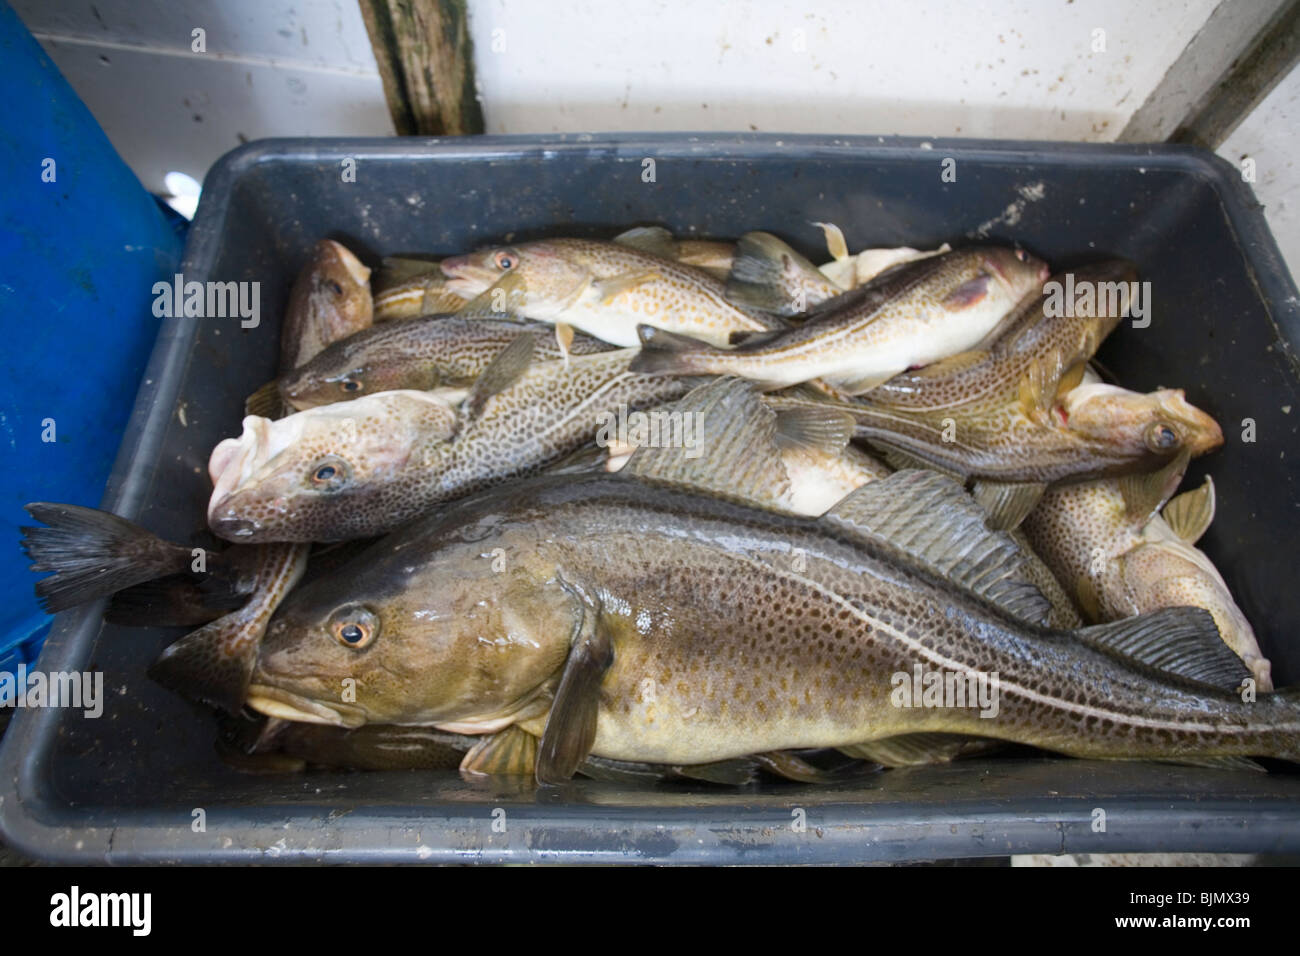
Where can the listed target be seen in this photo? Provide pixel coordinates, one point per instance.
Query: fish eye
(1162, 437)
(505, 261)
(1022, 255)
(334, 287)
(330, 474)
(354, 626)
(350, 385)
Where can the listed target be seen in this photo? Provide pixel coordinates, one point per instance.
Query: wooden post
(426, 62)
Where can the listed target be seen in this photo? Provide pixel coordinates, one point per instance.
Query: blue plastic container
(81, 244)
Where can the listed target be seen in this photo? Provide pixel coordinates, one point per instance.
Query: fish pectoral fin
(1007, 503)
(266, 401)
(504, 299)
(931, 518)
(655, 240)
(607, 290)
(1192, 512)
(511, 752)
(571, 725)
(820, 430)
(835, 243)
(915, 750)
(1145, 492)
(969, 293)
(1181, 643)
(503, 371)
(766, 274)
(739, 431)
(1071, 378)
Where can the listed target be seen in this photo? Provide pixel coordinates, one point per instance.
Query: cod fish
(433, 351)
(1093, 431)
(408, 288)
(644, 622)
(1114, 549)
(329, 301)
(363, 467)
(607, 288)
(915, 314)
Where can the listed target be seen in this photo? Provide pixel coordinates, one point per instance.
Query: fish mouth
(277, 702)
(464, 277)
(233, 461)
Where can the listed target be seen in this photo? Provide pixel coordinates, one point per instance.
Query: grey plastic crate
(1226, 319)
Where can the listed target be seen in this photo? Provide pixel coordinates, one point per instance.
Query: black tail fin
(93, 554)
(666, 353)
(175, 601)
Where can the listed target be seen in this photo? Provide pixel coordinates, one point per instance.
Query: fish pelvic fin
(511, 751)
(93, 554)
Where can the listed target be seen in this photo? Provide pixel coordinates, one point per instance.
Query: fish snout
(234, 528)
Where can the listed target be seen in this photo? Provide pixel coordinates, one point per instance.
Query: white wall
(1023, 69)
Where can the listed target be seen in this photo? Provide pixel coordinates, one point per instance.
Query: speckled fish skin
(330, 300)
(1084, 533)
(395, 454)
(1036, 346)
(452, 643)
(433, 351)
(564, 281)
(912, 315)
(1093, 432)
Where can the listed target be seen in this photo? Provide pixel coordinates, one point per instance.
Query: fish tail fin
(668, 353)
(266, 401)
(766, 274)
(93, 554)
(199, 666)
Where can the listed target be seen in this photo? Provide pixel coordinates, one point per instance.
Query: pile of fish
(649, 508)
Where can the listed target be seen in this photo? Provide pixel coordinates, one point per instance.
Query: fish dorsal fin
(607, 290)
(655, 240)
(931, 518)
(503, 300)
(1190, 513)
(1007, 503)
(511, 751)
(1182, 643)
(736, 455)
(503, 371)
(765, 270)
(821, 430)
(1145, 492)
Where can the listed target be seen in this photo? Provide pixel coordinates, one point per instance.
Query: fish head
(314, 475)
(1156, 425)
(1015, 270)
(433, 631)
(551, 274)
(330, 301)
(353, 368)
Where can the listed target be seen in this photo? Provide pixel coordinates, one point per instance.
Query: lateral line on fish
(951, 664)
